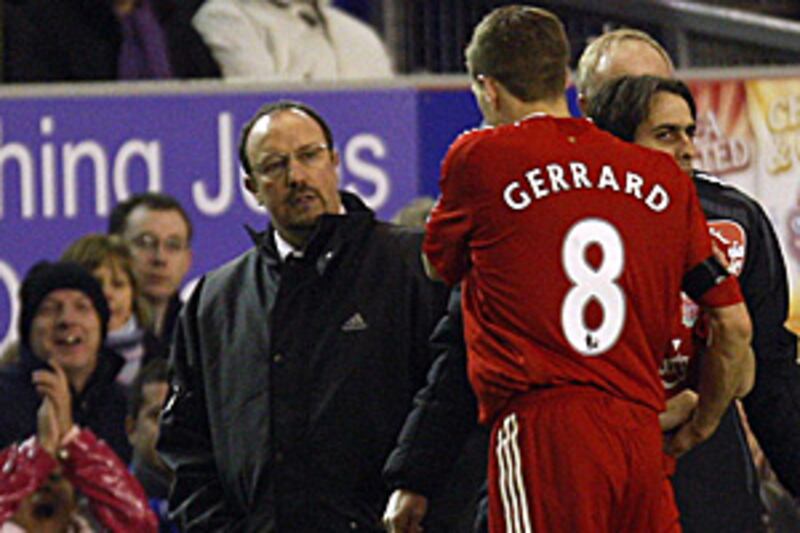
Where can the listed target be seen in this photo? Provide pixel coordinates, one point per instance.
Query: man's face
(296, 189)
(669, 128)
(50, 508)
(143, 432)
(118, 290)
(67, 327)
(160, 247)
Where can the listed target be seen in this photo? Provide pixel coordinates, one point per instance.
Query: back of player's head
(524, 48)
(622, 104)
(588, 78)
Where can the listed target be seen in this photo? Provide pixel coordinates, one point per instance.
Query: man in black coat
(294, 365)
(63, 318)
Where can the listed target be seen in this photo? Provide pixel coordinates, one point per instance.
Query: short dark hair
(153, 372)
(274, 107)
(622, 104)
(524, 48)
(156, 201)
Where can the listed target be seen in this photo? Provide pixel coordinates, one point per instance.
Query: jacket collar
(331, 234)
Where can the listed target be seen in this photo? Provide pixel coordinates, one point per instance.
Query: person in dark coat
(295, 364)
(89, 40)
(63, 317)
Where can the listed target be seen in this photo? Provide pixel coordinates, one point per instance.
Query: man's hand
(404, 512)
(679, 409)
(430, 270)
(53, 385)
(47, 431)
(688, 436)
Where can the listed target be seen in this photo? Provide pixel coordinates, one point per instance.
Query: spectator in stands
(10, 355)
(292, 40)
(159, 232)
(63, 318)
(74, 40)
(108, 259)
(146, 399)
(40, 476)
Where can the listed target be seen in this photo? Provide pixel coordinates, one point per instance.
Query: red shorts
(573, 458)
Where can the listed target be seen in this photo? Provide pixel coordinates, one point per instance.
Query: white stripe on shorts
(510, 479)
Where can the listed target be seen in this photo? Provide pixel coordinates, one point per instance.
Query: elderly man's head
(291, 167)
(618, 53)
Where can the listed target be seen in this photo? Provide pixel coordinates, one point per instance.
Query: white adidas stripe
(511, 480)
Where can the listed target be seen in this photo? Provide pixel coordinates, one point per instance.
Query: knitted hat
(45, 277)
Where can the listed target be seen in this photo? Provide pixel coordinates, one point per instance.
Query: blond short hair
(95, 250)
(586, 79)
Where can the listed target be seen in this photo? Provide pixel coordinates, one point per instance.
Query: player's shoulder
(705, 181)
(652, 157)
(467, 144)
(721, 199)
(471, 137)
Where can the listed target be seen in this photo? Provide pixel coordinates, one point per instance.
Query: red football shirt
(572, 246)
(678, 369)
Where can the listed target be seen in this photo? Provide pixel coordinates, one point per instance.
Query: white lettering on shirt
(521, 194)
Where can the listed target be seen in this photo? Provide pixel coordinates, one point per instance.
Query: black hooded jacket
(290, 380)
(100, 406)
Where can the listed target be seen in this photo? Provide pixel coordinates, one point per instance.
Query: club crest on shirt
(689, 311)
(732, 240)
(675, 367)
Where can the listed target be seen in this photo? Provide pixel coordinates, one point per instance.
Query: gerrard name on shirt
(554, 178)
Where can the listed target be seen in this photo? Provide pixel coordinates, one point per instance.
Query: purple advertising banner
(65, 162)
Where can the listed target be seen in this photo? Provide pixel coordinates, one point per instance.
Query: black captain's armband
(703, 277)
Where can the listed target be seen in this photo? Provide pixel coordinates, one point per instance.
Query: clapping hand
(54, 418)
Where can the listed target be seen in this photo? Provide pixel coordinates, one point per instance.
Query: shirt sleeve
(450, 224)
(234, 41)
(24, 468)
(116, 498)
(722, 294)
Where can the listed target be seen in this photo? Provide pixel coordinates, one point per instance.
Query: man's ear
(130, 426)
(583, 103)
(250, 184)
(335, 160)
(491, 92)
